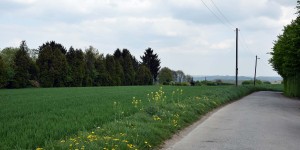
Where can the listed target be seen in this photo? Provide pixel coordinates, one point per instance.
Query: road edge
(185, 131)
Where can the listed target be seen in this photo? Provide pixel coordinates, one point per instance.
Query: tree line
(52, 65)
(286, 56)
(167, 76)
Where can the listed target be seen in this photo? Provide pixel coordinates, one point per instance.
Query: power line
(244, 43)
(220, 12)
(215, 14)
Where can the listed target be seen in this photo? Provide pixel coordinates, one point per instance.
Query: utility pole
(236, 55)
(255, 69)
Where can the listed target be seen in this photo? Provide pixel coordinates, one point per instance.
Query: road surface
(260, 121)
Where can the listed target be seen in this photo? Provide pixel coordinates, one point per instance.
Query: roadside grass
(158, 117)
(105, 117)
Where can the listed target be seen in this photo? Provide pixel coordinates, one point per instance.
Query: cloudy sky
(185, 33)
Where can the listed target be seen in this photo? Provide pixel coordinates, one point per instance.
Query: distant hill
(240, 78)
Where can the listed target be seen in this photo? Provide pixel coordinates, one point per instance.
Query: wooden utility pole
(236, 55)
(255, 70)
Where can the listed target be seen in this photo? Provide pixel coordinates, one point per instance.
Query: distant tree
(8, 56)
(152, 61)
(129, 72)
(3, 73)
(189, 78)
(76, 65)
(119, 66)
(136, 65)
(111, 69)
(91, 54)
(120, 73)
(118, 54)
(180, 76)
(298, 7)
(175, 77)
(143, 76)
(22, 63)
(103, 78)
(165, 76)
(266, 82)
(52, 64)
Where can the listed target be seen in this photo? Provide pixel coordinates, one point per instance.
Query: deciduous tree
(165, 75)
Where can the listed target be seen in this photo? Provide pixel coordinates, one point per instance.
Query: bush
(247, 82)
(266, 82)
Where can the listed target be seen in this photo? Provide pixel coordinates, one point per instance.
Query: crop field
(137, 117)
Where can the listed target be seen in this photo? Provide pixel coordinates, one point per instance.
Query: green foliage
(76, 65)
(103, 78)
(3, 73)
(111, 69)
(8, 56)
(182, 83)
(247, 82)
(165, 76)
(52, 64)
(128, 69)
(152, 61)
(211, 83)
(251, 82)
(266, 82)
(22, 63)
(292, 86)
(286, 55)
(143, 76)
(91, 55)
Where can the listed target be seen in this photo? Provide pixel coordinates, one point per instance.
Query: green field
(101, 117)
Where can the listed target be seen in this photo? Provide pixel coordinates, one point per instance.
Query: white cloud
(184, 33)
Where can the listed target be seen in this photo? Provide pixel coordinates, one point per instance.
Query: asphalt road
(260, 121)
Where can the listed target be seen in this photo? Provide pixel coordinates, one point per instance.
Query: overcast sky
(184, 33)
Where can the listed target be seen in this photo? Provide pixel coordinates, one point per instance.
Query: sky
(195, 36)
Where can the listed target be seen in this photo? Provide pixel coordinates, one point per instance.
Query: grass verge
(156, 118)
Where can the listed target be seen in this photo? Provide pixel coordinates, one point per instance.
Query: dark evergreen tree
(118, 54)
(136, 64)
(119, 66)
(143, 76)
(120, 73)
(103, 78)
(76, 65)
(22, 63)
(129, 72)
(111, 70)
(152, 62)
(52, 64)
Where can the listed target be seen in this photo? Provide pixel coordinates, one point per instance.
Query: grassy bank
(104, 117)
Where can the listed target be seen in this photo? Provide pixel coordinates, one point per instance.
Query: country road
(260, 121)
